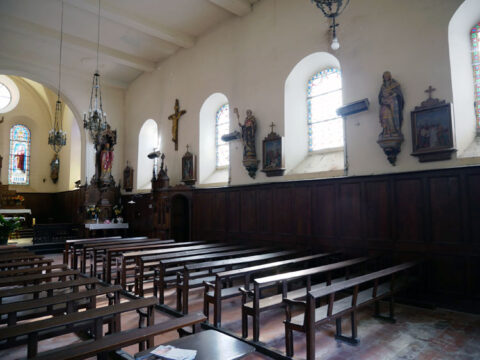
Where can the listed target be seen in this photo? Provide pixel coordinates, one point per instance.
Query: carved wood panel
(409, 198)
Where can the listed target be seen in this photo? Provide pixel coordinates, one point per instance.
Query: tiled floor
(418, 333)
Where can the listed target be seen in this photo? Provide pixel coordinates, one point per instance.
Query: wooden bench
(25, 264)
(49, 288)
(184, 283)
(13, 249)
(151, 259)
(78, 251)
(218, 291)
(335, 307)
(32, 270)
(171, 266)
(109, 258)
(87, 248)
(16, 257)
(37, 278)
(89, 348)
(93, 319)
(70, 242)
(258, 304)
(98, 254)
(71, 301)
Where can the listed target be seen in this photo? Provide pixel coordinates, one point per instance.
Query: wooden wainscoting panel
(409, 202)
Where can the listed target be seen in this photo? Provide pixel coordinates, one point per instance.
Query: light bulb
(335, 44)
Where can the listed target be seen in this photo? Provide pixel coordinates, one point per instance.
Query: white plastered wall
(249, 58)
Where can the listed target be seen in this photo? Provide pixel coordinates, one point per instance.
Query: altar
(105, 229)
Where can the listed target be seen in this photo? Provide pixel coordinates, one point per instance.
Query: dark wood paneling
(445, 210)
(350, 210)
(219, 209)
(378, 211)
(233, 199)
(447, 275)
(248, 206)
(264, 210)
(409, 209)
(324, 211)
(283, 210)
(473, 191)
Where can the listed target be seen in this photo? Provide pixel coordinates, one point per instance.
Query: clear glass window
(222, 127)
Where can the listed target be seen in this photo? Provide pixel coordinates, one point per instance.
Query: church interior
(256, 179)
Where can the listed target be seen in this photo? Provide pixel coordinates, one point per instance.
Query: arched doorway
(180, 218)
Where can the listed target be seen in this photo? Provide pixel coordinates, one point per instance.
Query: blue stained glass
(19, 159)
(222, 127)
(475, 35)
(324, 97)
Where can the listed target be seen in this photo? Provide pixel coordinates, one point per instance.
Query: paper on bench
(169, 352)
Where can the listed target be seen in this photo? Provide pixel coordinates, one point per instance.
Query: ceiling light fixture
(57, 138)
(332, 9)
(96, 122)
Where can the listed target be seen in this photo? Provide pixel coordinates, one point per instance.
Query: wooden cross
(272, 125)
(430, 90)
(175, 118)
(187, 147)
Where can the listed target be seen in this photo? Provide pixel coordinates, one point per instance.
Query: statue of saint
(106, 161)
(248, 135)
(391, 106)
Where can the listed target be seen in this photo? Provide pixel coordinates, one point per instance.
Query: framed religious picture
(128, 178)
(273, 160)
(189, 168)
(432, 133)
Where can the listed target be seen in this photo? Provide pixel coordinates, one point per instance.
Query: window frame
(330, 71)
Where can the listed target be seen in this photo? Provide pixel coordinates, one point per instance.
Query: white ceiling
(135, 35)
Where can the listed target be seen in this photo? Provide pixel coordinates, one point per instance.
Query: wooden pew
(93, 319)
(25, 264)
(37, 278)
(70, 242)
(258, 304)
(98, 254)
(171, 266)
(89, 348)
(150, 260)
(49, 288)
(32, 270)
(86, 248)
(184, 284)
(218, 291)
(13, 249)
(77, 248)
(71, 301)
(336, 307)
(111, 253)
(15, 257)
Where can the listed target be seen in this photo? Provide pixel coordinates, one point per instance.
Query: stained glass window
(324, 97)
(222, 127)
(19, 164)
(476, 70)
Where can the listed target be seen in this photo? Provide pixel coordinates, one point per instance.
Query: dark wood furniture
(170, 266)
(70, 242)
(260, 304)
(185, 283)
(225, 347)
(38, 278)
(89, 348)
(220, 289)
(25, 264)
(92, 319)
(31, 270)
(336, 307)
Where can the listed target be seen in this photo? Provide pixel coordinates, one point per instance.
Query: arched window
(475, 34)
(19, 164)
(324, 97)
(148, 141)
(222, 127)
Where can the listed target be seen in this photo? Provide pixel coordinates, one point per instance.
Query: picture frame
(189, 168)
(432, 131)
(273, 155)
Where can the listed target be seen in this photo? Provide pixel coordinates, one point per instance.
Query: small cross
(272, 126)
(187, 147)
(429, 91)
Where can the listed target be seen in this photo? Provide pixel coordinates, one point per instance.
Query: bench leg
(32, 347)
(179, 298)
(256, 326)
(288, 341)
(350, 340)
(391, 316)
(206, 306)
(217, 312)
(244, 323)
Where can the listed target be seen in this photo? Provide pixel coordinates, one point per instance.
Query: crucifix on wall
(175, 118)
